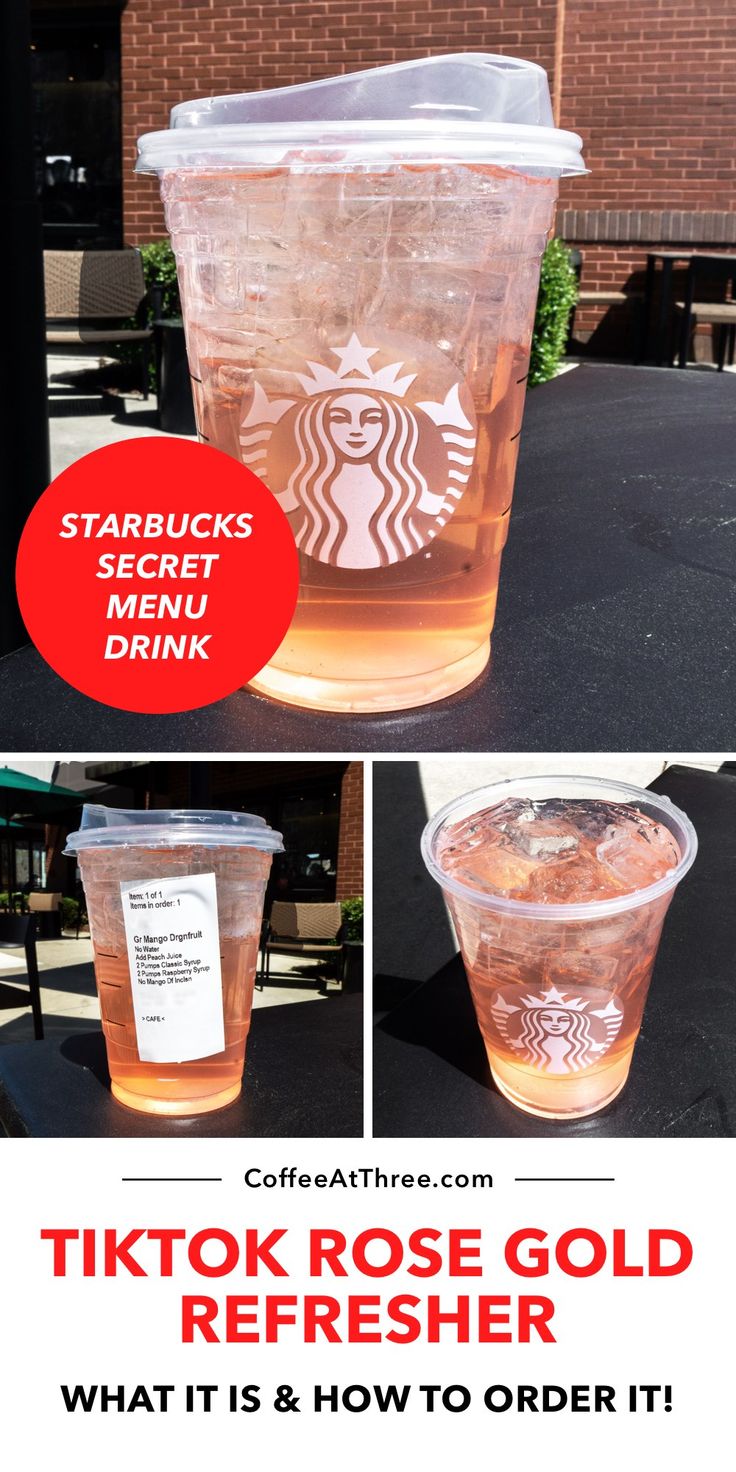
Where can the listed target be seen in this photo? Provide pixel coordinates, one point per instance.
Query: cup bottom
(558, 1098)
(146, 1104)
(371, 696)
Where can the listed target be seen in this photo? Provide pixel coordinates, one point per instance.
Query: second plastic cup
(541, 971)
(358, 260)
(175, 905)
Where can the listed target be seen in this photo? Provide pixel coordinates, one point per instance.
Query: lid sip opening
(467, 107)
(104, 827)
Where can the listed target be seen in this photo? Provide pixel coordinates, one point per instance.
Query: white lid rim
(252, 143)
(159, 838)
(173, 828)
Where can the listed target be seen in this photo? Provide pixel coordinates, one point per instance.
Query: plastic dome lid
(470, 107)
(170, 827)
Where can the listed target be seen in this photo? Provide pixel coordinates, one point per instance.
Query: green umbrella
(24, 796)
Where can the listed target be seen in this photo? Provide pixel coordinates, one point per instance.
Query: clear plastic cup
(358, 260)
(559, 989)
(175, 905)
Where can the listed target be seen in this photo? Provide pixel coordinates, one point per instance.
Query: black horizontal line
(514, 436)
(171, 1178)
(194, 376)
(564, 1178)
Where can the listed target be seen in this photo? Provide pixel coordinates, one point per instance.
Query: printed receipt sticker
(157, 575)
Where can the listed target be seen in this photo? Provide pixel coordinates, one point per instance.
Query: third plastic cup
(358, 261)
(175, 904)
(559, 988)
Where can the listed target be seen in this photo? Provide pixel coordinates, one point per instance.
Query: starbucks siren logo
(367, 474)
(557, 1032)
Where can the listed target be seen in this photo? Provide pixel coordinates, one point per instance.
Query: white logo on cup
(557, 1032)
(368, 474)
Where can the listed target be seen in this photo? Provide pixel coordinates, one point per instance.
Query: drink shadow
(440, 1016)
(412, 931)
(87, 1050)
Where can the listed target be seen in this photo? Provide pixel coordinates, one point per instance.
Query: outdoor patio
(89, 407)
(69, 996)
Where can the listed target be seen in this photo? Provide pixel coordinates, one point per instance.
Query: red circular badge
(157, 575)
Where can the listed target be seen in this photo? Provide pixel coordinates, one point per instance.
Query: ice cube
(497, 869)
(543, 842)
(590, 818)
(580, 968)
(572, 880)
(637, 856)
(537, 831)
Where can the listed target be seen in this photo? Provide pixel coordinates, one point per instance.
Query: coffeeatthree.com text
(363, 1177)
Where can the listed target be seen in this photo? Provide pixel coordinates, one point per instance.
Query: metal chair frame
(20, 930)
(705, 270)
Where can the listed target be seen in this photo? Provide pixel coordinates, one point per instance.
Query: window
(76, 87)
(22, 865)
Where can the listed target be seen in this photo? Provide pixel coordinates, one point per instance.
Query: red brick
(350, 851)
(651, 87)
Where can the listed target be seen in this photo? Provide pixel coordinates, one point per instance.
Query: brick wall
(176, 49)
(650, 84)
(350, 850)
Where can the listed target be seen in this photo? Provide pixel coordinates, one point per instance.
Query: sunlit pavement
(83, 418)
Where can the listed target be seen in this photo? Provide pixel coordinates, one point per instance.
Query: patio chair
(46, 905)
(314, 931)
(20, 930)
(709, 299)
(89, 296)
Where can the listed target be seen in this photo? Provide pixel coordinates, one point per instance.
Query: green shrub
(159, 269)
(159, 273)
(17, 899)
(70, 910)
(352, 916)
(558, 290)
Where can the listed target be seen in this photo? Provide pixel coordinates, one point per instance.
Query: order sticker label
(173, 939)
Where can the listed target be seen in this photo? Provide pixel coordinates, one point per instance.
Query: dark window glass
(310, 828)
(76, 87)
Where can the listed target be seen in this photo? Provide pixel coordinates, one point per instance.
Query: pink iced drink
(559, 992)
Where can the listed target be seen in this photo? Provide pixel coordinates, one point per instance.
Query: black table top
(617, 612)
(303, 1077)
(431, 1075)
